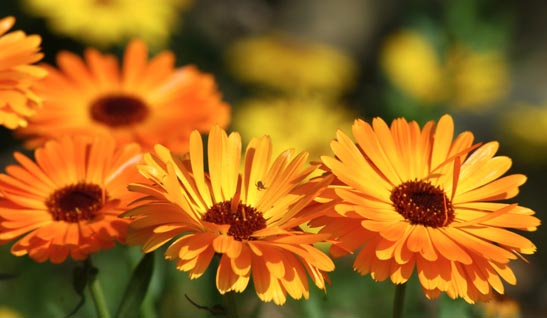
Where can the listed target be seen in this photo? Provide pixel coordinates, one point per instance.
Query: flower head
(68, 201)
(144, 101)
(415, 199)
(102, 23)
(251, 219)
(18, 101)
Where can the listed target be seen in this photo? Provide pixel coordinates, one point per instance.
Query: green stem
(399, 300)
(230, 303)
(98, 298)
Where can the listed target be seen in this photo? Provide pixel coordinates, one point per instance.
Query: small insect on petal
(260, 185)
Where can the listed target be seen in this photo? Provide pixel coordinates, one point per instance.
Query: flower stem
(399, 300)
(98, 297)
(230, 303)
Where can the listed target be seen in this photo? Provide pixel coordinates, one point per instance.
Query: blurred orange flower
(68, 201)
(144, 101)
(417, 199)
(17, 98)
(251, 219)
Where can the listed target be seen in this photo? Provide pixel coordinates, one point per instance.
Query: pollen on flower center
(422, 203)
(75, 203)
(118, 110)
(244, 221)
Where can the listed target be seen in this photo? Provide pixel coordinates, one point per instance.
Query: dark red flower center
(244, 220)
(422, 203)
(119, 110)
(75, 203)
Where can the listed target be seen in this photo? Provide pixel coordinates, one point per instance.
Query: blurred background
(299, 70)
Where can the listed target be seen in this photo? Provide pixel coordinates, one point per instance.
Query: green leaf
(137, 288)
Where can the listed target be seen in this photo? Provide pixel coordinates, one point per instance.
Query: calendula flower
(291, 65)
(416, 200)
(18, 101)
(278, 118)
(68, 201)
(144, 101)
(102, 23)
(250, 219)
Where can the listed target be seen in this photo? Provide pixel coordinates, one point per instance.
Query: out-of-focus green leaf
(136, 289)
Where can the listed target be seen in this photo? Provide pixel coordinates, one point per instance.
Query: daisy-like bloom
(102, 23)
(68, 201)
(144, 101)
(415, 199)
(18, 101)
(250, 219)
(291, 65)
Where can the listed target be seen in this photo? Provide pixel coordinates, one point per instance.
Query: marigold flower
(102, 23)
(18, 101)
(415, 199)
(68, 201)
(251, 219)
(145, 101)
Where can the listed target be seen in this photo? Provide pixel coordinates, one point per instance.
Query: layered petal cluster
(412, 199)
(250, 219)
(18, 51)
(140, 101)
(67, 201)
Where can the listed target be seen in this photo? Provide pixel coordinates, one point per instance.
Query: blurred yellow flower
(525, 127)
(478, 78)
(412, 64)
(527, 123)
(106, 22)
(291, 65)
(465, 79)
(294, 123)
(501, 306)
(7, 312)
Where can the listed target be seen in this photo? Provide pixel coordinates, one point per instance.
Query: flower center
(75, 203)
(244, 221)
(422, 203)
(119, 110)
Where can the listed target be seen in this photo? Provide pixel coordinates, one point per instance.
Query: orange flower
(67, 202)
(251, 220)
(416, 199)
(144, 101)
(17, 99)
